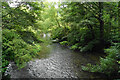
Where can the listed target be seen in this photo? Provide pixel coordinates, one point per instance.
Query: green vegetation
(107, 65)
(20, 39)
(91, 27)
(85, 27)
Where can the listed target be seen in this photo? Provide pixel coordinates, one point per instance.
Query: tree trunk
(101, 22)
(119, 16)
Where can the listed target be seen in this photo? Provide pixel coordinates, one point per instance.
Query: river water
(58, 62)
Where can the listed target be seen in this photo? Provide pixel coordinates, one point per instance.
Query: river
(59, 62)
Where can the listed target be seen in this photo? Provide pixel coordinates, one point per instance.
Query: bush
(16, 49)
(64, 43)
(60, 33)
(75, 47)
(57, 33)
(108, 65)
(90, 46)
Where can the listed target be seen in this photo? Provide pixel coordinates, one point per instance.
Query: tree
(19, 39)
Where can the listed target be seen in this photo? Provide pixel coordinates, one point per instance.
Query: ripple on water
(59, 63)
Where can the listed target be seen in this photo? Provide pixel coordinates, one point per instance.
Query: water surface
(58, 62)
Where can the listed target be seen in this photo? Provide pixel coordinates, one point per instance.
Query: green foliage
(86, 27)
(90, 46)
(64, 43)
(57, 33)
(16, 49)
(92, 27)
(20, 41)
(60, 33)
(107, 65)
(74, 47)
(85, 24)
(48, 17)
(4, 64)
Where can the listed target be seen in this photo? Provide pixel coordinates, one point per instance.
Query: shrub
(107, 65)
(64, 43)
(74, 47)
(90, 46)
(16, 49)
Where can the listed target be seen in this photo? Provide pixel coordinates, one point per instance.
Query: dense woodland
(88, 27)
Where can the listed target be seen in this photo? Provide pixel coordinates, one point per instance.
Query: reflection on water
(56, 61)
(45, 51)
